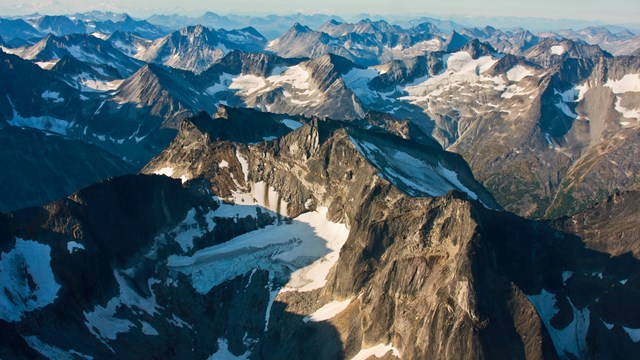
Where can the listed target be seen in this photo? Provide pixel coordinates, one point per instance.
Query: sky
(609, 11)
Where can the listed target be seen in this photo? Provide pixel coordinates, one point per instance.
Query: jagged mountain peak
(58, 24)
(299, 28)
(241, 62)
(390, 154)
(252, 31)
(549, 51)
(426, 27)
(455, 42)
(196, 30)
(336, 62)
(72, 67)
(18, 29)
(477, 49)
(83, 47)
(508, 62)
(196, 48)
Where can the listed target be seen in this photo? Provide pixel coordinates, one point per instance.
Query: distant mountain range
(128, 90)
(295, 187)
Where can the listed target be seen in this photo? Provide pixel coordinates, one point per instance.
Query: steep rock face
(401, 72)
(196, 48)
(427, 294)
(488, 113)
(365, 43)
(603, 169)
(455, 42)
(549, 52)
(394, 157)
(238, 62)
(290, 86)
(83, 47)
(58, 25)
(620, 43)
(142, 116)
(17, 29)
(130, 44)
(610, 226)
(124, 23)
(409, 276)
(457, 289)
(531, 134)
(31, 96)
(94, 233)
(509, 42)
(75, 72)
(162, 90)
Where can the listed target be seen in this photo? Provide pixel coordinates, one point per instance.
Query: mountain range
(305, 187)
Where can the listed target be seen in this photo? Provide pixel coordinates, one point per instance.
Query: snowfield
(328, 311)
(571, 339)
(415, 176)
(377, 351)
(302, 253)
(28, 260)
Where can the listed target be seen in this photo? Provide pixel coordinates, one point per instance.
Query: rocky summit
(317, 187)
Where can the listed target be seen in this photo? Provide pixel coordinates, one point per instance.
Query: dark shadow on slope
(42, 167)
(536, 257)
(117, 222)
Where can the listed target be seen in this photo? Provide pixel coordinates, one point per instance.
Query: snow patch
(73, 246)
(166, 171)
(102, 321)
(328, 311)
(292, 124)
(557, 50)
(247, 84)
(628, 83)
(222, 85)
(272, 297)
(518, 72)
(634, 334)
(296, 76)
(27, 279)
(52, 352)
(627, 113)
(47, 65)
(571, 339)
(89, 84)
(100, 35)
(53, 96)
(223, 352)
(147, 329)
(566, 110)
(244, 164)
(187, 231)
(461, 68)
(378, 351)
(357, 80)
(46, 123)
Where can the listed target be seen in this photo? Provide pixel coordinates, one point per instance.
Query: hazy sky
(612, 11)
